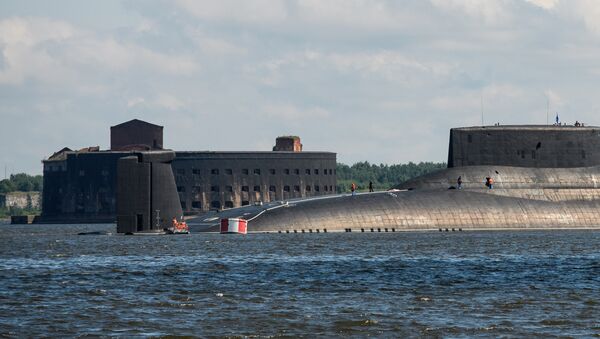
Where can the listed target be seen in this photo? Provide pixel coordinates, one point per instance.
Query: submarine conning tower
(541, 146)
(147, 197)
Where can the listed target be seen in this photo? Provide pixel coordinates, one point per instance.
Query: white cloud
(392, 66)
(545, 4)
(589, 12)
(351, 13)
(397, 74)
(213, 45)
(119, 56)
(169, 102)
(291, 112)
(56, 52)
(489, 11)
(30, 31)
(132, 102)
(248, 11)
(555, 101)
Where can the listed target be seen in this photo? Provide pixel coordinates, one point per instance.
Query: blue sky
(381, 81)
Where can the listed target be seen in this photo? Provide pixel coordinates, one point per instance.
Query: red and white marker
(234, 225)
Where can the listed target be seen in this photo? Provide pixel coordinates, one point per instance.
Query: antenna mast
(481, 109)
(547, 110)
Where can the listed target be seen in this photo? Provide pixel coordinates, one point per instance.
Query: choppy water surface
(56, 283)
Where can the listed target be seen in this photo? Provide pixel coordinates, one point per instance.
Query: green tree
(382, 176)
(22, 182)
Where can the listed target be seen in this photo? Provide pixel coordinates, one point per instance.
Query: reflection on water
(54, 282)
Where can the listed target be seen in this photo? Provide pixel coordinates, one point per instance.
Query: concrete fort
(81, 185)
(217, 180)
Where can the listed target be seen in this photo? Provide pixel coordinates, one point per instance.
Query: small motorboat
(178, 227)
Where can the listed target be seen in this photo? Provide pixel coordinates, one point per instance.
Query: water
(516, 284)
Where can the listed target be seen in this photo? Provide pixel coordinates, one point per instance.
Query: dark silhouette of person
(370, 186)
(489, 182)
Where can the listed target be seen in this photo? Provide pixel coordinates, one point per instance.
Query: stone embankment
(29, 200)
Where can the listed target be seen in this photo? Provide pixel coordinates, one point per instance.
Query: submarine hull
(413, 210)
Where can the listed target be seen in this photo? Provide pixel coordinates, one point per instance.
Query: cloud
(545, 4)
(489, 11)
(589, 12)
(132, 102)
(169, 102)
(293, 113)
(555, 101)
(249, 11)
(55, 52)
(392, 66)
(375, 80)
(29, 31)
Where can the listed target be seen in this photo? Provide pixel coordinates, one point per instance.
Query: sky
(378, 81)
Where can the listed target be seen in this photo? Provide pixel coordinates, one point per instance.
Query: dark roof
(60, 155)
(135, 122)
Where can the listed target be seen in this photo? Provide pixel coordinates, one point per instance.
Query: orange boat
(178, 227)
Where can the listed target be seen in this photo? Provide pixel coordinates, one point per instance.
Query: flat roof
(207, 154)
(190, 155)
(528, 127)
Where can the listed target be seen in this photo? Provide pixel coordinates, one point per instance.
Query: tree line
(22, 183)
(383, 176)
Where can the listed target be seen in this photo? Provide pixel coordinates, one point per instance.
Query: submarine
(544, 177)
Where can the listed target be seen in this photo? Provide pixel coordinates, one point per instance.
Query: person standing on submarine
(353, 189)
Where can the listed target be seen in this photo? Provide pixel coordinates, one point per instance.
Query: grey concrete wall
(20, 199)
(525, 146)
(206, 178)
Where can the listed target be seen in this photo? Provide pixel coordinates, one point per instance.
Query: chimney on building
(290, 143)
